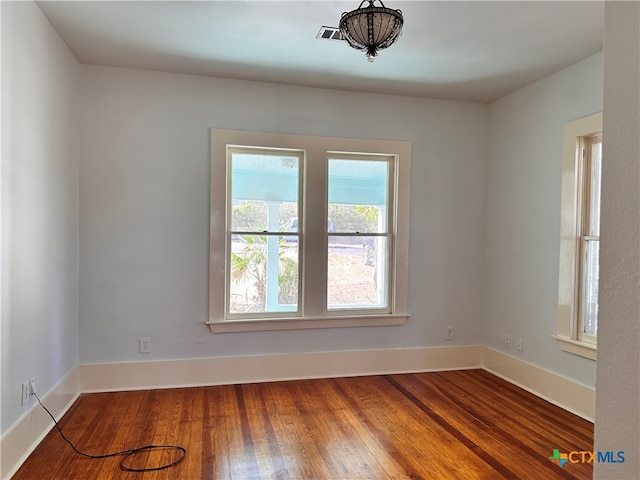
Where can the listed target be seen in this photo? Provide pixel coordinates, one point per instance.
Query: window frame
(573, 221)
(314, 235)
(585, 227)
(240, 149)
(388, 234)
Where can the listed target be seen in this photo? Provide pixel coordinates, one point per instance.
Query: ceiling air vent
(329, 33)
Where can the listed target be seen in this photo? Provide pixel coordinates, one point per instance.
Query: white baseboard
(26, 434)
(265, 368)
(567, 394)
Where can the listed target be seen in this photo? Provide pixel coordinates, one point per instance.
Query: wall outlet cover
(24, 401)
(144, 344)
(448, 333)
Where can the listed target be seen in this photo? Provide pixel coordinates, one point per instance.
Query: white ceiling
(476, 51)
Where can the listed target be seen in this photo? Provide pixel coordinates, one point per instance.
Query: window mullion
(314, 236)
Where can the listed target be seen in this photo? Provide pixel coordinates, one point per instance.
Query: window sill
(262, 325)
(583, 349)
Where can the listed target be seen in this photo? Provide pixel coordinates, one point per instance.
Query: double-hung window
(359, 260)
(263, 262)
(307, 232)
(590, 149)
(577, 324)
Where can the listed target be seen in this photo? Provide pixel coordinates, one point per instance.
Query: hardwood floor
(446, 425)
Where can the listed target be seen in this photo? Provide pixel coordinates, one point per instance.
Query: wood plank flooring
(445, 425)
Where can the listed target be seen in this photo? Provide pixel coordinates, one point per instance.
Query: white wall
(144, 214)
(523, 214)
(39, 206)
(618, 393)
(144, 210)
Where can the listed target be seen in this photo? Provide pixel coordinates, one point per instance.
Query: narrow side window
(577, 320)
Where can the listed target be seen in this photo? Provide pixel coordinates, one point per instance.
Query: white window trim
(316, 148)
(567, 330)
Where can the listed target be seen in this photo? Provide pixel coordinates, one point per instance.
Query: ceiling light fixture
(371, 28)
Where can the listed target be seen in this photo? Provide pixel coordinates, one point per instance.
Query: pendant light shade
(371, 28)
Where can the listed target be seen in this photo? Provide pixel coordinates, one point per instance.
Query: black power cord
(125, 453)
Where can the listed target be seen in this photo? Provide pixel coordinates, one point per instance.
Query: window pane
(264, 190)
(249, 216)
(595, 181)
(264, 274)
(590, 288)
(358, 196)
(357, 276)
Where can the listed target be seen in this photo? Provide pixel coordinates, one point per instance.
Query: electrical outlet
(520, 345)
(24, 401)
(32, 387)
(507, 341)
(145, 344)
(448, 333)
